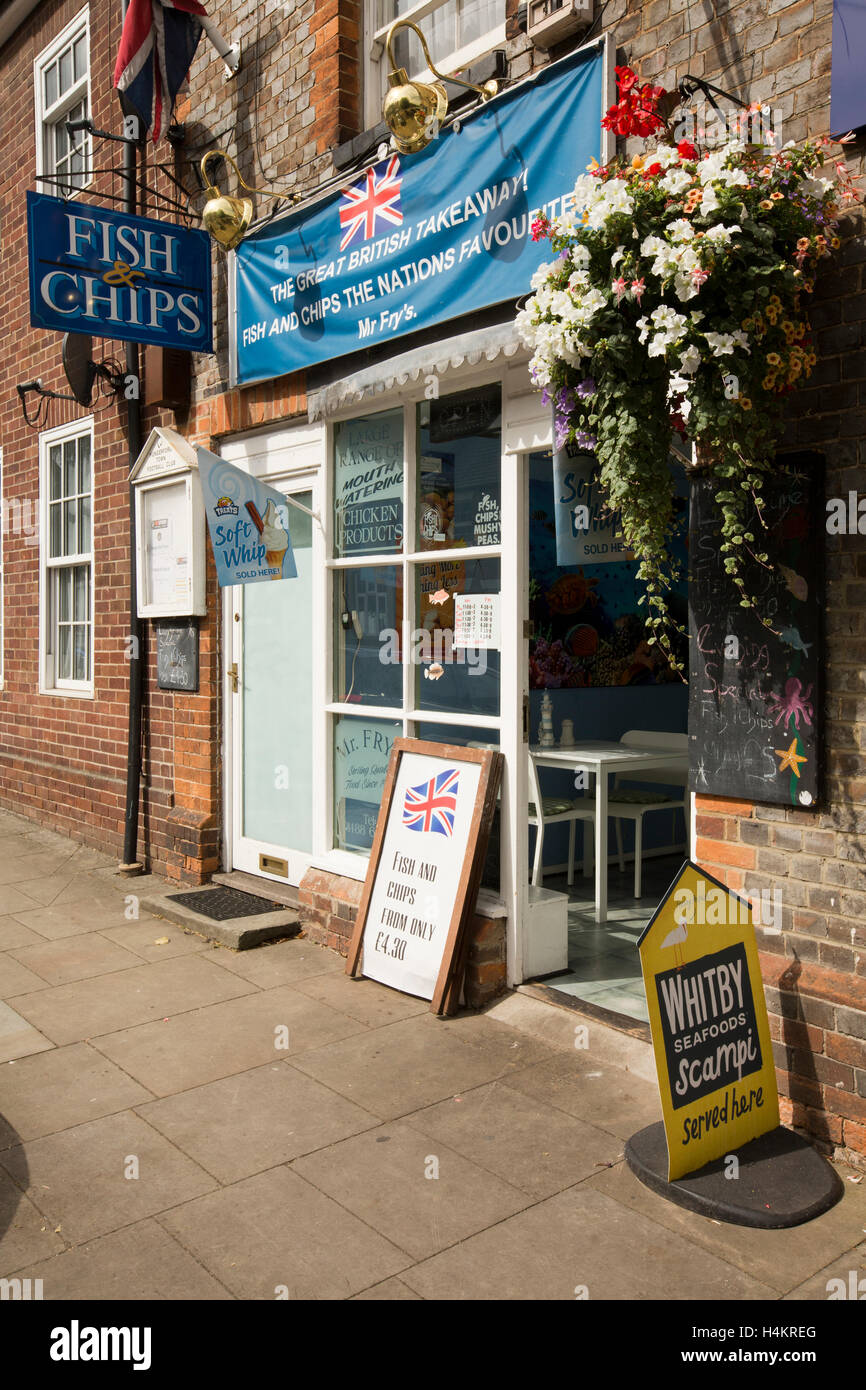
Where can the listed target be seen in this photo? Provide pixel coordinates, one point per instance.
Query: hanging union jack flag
(432, 805)
(157, 45)
(372, 205)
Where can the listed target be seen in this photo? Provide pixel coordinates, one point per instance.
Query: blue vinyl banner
(113, 275)
(418, 239)
(248, 524)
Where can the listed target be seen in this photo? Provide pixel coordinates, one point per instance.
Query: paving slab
(780, 1259)
(68, 919)
(389, 1291)
(25, 1235)
(534, 1147)
(141, 937)
(18, 1038)
(580, 1240)
(421, 1196)
(44, 891)
(13, 901)
(60, 1088)
(409, 1065)
(282, 963)
(246, 1123)
(601, 1094)
(369, 1002)
(71, 958)
(138, 1263)
(842, 1280)
(78, 1178)
(275, 1231)
(15, 978)
(13, 933)
(90, 1008)
(194, 1048)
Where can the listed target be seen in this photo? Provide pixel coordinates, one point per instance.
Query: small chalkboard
(755, 695)
(177, 655)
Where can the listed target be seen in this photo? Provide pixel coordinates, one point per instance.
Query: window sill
(69, 692)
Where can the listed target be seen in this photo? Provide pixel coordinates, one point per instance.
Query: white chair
(553, 810)
(634, 803)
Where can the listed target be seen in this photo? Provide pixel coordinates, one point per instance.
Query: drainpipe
(130, 865)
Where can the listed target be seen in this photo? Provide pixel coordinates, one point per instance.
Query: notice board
(425, 868)
(755, 695)
(177, 655)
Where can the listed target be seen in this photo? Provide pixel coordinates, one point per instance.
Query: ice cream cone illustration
(274, 537)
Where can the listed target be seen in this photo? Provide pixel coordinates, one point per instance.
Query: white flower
(665, 155)
(675, 180)
(685, 408)
(690, 360)
(681, 230)
(816, 188)
(721, 234)
(722, 344)
(617, 256)
(677, 385)
(709, 202)
(696, 315)
(580, 255)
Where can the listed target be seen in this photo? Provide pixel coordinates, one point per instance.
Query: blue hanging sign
(113, 275)
(587, 532)
(248, 524)
(418, 239)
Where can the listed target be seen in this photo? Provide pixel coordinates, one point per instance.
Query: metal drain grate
(221, 904)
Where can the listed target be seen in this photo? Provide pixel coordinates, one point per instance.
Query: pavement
(179, 1121)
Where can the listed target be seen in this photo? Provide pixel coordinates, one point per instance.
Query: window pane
(476, 18)
(459, 464)
(80, 652)
(80, 57)
(361, 750)
(70, 510)
(453, 678)
(368, 612)
(55, 471)
(80, 586)
(84, 463)
(84, 526)
(51, 85)
(64, 654)
(440, 31)
(65, 70)
(64, 583)
(368, 485)
(69, 468)
(472, 738)
(55, 545)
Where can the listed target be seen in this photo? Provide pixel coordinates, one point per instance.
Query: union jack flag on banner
(372, 205)
(432, 806)
(157, 46)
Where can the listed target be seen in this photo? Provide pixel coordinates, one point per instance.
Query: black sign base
(783, 1181)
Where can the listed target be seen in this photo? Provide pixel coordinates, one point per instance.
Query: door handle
(232, 674)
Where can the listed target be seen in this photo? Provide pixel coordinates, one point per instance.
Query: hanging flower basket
(676, 301)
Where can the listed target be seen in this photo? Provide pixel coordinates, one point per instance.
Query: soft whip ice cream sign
(418, 239)
(248, 524)
(113, 275)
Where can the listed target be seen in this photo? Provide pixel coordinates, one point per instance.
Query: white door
(271, 690)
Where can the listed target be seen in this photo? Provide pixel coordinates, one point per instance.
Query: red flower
(686, 150)
(653, 169)
(625, 79)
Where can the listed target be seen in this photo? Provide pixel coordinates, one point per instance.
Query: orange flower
(776, 196)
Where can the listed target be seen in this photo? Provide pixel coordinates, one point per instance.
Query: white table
(603, 758)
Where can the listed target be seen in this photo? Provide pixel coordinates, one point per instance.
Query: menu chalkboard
(177, 655)
(755, 694)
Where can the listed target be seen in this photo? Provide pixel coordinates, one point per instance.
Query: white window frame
(376, 57)
(49, 683)
(48, 118)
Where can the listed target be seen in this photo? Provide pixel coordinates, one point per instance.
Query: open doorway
(605, 706)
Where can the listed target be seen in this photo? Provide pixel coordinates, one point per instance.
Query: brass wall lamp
(415, 110)
(226, 218)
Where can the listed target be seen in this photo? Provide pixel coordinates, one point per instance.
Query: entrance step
(269, 888)
(246, 927)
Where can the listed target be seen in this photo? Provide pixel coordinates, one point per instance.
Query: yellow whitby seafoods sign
(709, 1022)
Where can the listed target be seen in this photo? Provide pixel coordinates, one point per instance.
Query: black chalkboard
(755, 698)
(177, 655)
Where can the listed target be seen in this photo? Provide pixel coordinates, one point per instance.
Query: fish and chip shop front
(423, 534)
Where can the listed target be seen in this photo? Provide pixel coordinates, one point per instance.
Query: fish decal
(791, 637)
(794, 583)
(440, 596)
